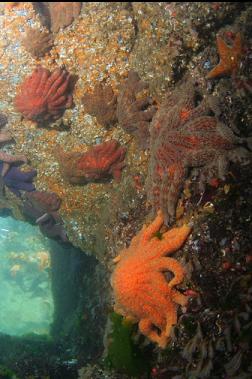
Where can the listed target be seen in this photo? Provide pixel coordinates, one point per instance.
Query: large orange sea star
(142, 292)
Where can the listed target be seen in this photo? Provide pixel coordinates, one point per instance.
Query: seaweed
(122, 353)
(5, 373)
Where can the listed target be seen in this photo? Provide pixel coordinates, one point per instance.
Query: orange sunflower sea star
(141, 290)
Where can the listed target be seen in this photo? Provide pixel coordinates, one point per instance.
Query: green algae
(123, 354)
(5, 373)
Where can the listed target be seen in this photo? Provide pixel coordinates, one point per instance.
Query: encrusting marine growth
(141, 290)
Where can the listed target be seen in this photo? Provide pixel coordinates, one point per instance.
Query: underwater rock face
(140, 287)
(44, 95)
(135, 114)
(99, 162)
(56, 15)
(37, 43)
(184, 136)
(101, 104)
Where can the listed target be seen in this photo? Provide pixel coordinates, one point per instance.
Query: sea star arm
(149, 231)
(170, 192)
(207, 104)
(42, 79)
(174, 238)
(171, 241)
(146, 328)
(179, 298)
(229, 57)
(5, 168)
(5, 157)
(146, 325)
(170, 264)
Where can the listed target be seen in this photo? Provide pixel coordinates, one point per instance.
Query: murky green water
(25, 293)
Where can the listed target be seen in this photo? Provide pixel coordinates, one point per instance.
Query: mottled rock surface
(161, 42)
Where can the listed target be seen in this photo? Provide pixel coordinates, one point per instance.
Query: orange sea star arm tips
(176, 237)
(179, 298)
(170, 242)
(153, 228)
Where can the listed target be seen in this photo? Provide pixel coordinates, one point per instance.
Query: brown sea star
(101, 103)
(135, 109)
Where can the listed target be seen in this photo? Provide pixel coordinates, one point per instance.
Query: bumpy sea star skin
(141, 290)
(56, 14)
(103, 160)
(99, 162)
(62, 14)
(101, 103)
(135, 114)
(43, 95)
(37, 43)
(230, 57)
(183, 136)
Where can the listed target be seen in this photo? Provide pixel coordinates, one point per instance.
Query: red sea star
(229, 57)
(103, 160)
(99, 162)
(44, 95)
